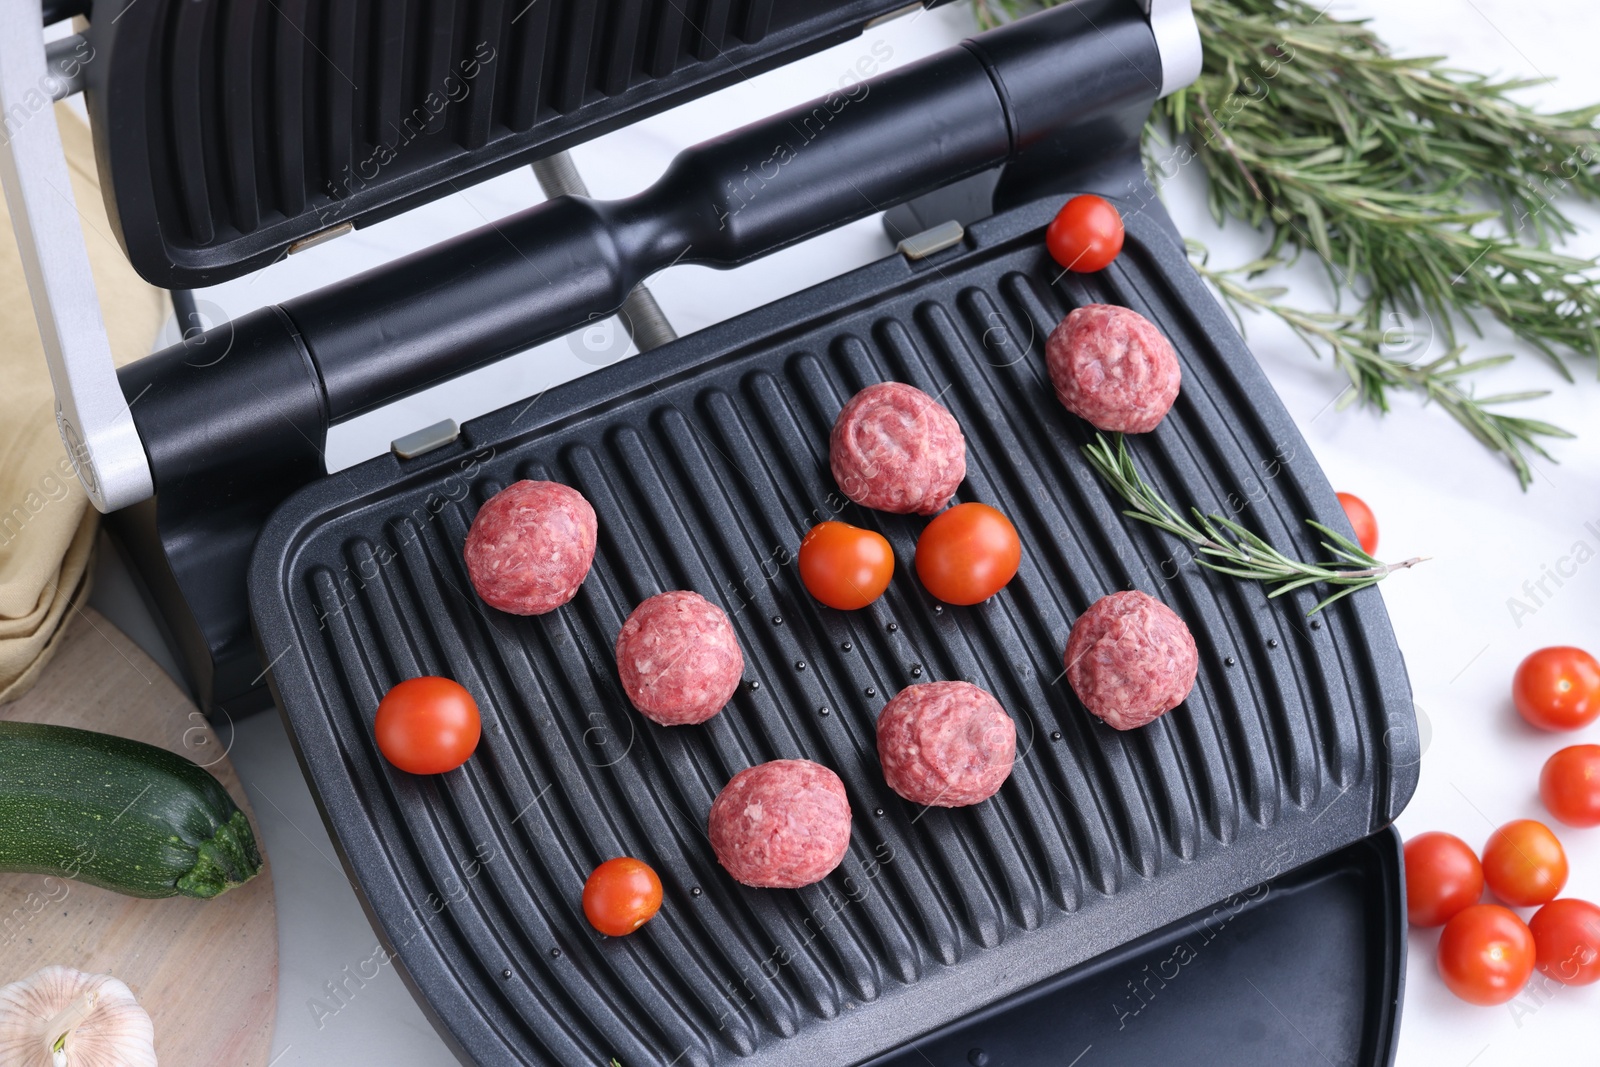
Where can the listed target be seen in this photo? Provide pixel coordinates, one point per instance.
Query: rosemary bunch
(1379, 165)
(1426, 192)
(1228, 547)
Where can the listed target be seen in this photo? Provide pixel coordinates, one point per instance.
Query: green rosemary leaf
(1290, 587)
(1341, 543)
(1340, 595)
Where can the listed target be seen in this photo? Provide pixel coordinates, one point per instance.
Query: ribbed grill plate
(706, 461)
(230, 131)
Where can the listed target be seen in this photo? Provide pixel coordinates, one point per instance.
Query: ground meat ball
(895, 448)
(781, 825)
(946, 744)
(1130, 659)
(1112, 367)
(530, 547)
(678, 658)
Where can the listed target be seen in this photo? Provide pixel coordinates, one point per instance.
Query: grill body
(706, 466)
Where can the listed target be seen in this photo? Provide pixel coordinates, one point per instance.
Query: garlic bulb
(65, 1018)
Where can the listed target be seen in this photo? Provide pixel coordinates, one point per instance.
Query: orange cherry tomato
(1361, 517)
(1486, 954)
(427, 725)
(1523, 864)
(1085, 235)
(845, 566)
(1566, 940)
(1569, 785)
(621, 895)
(1558, 688)
(1443, 876)
(967, 554)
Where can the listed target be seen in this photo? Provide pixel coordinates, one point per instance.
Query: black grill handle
(1092, 66)
(56, 10)
(542, 272)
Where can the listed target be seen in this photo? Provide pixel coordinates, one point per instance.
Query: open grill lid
(229, 132)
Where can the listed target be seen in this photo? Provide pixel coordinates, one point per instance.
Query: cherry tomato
(427, 725)
(1361, 517)
(1558, 688)
(1085, 235)
(1443, 876)
(1523, 864)
(1566, 939)
(967, 554)
(621, 895)
(1486, 954)
(1569, 785)
(845, 566)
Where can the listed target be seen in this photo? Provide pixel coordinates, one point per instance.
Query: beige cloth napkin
(47, 528)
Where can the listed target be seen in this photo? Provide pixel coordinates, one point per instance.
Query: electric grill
(230, 134)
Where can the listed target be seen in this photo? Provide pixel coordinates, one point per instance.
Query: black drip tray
(706, 461)
(1308, 968)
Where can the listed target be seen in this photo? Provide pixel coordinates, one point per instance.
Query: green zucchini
(119, 814)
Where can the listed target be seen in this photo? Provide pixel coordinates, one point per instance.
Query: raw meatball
(530, 547)
(895, 448)
(678, 658)
(946, 744)
(1112, 367)
(1131, 659)
(781, 825)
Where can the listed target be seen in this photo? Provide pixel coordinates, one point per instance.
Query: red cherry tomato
(1523, 864)
(1566, 939)
(967, 554)
(1085, 235)
(427, 725)
(1443, 876)
(621, 895)
(1361, 517)
(1558, 688)
(1486, 954)
(1569, 785)
(845, 566)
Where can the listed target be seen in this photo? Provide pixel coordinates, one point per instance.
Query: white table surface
(1434, 490)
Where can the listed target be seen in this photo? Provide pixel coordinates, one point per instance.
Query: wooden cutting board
(206, 971)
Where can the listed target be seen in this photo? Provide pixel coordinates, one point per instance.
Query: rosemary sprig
(1426, 192)
(1228, 547)
(1357, 350)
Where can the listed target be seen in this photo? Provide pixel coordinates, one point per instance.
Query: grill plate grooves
(232, 129)
(706, 462)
